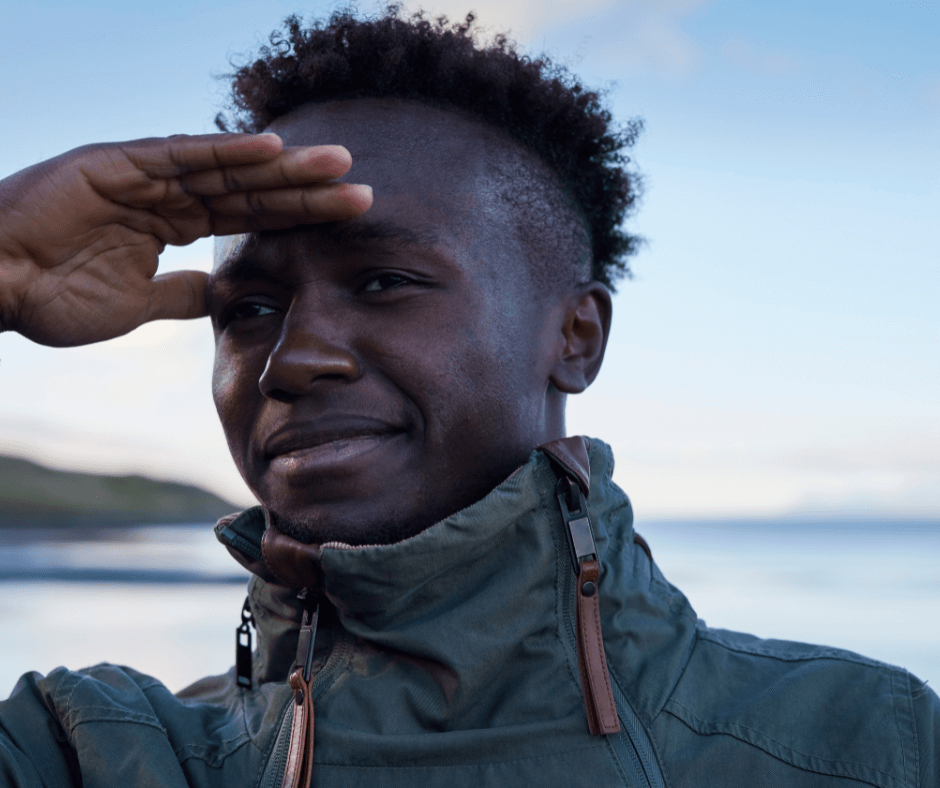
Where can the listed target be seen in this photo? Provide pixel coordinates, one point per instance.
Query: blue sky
(779, 348)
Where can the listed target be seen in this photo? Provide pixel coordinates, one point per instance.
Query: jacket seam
(897, 723)
(67, 701)
(205, 752)
(730, 732)
(685, 665)
(269, 752)
(646, 729)
(563, 559)
(149, 723)
(201, 752)
(821, 653)
(187, 751)
(903, 693)
(693, 642)
(612, 752)
(910, 698)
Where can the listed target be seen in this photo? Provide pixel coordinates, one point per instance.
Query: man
(448, 590)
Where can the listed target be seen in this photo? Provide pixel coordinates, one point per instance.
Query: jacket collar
(459, 597)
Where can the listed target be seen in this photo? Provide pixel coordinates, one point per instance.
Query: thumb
(178, 295)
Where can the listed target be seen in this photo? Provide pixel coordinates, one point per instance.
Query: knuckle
(230, 181)
(255, 202)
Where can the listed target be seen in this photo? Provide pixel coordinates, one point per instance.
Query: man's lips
(325, 433)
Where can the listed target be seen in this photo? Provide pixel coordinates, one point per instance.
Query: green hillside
(32, 495)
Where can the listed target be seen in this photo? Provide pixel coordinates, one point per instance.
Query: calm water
(166, 600)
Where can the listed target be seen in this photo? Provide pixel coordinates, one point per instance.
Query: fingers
(312, 205)
(293, 167)
(172, 156)
(179, 295)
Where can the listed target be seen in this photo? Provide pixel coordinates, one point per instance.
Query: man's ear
(585, 331)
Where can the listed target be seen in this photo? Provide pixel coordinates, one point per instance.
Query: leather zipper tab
(298, 771)
(592, 661)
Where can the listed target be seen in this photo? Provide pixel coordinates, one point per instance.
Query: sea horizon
(166, 599)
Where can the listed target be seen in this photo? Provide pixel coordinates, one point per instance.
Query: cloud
(633, 35)
(525, 20)
(649, 36)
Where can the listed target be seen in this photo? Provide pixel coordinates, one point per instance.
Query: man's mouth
(309, 448)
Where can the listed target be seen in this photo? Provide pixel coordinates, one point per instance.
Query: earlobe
(585, 331)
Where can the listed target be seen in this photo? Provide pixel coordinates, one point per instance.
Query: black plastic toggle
(243, 648)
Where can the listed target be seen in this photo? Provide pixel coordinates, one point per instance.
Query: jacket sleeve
(34, 750)
(927, 724)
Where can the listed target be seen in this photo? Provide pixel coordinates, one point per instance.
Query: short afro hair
(536, 103)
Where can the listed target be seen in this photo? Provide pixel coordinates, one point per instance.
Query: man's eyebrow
(360, 233)
(247, 263)
(243, 266)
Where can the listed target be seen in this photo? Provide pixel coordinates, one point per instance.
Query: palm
(80, 235)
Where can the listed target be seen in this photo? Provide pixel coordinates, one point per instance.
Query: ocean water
(871, 587)
(166, 600)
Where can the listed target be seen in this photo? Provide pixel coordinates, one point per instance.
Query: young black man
(448, 589)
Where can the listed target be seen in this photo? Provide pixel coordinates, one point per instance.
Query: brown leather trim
(298, 769)
(637, 539)
(294, 563)
(572, 455)
(598, 695)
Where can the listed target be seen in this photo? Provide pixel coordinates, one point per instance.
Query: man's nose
(307, 353)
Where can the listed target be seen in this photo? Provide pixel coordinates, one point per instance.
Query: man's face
(376, 375)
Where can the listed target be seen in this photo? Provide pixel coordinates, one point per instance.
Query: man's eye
(384, 282)
(248, 311)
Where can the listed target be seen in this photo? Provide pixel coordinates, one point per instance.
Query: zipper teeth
(275, 768)
(344, 546)
(241, 543)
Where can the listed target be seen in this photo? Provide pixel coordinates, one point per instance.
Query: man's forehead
(364, 233)
(384, 123)
(429, 168)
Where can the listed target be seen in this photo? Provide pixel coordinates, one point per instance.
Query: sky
(778, 349)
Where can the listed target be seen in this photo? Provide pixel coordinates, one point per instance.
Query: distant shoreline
(835, 523)
(93, 524)
(33, 496)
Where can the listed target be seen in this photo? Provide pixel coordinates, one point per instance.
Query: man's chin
(377, 532)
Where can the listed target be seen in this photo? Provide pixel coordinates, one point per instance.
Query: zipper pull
(592, 661)
(243, 648)
(298, 771)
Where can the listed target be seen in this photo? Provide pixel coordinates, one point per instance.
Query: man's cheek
(235, 393)
(224, 378)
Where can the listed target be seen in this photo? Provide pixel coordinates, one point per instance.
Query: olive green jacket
(451, 659)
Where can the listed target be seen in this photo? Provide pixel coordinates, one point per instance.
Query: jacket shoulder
(814, 710)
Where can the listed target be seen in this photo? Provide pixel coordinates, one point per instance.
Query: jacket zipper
(631, 746)
(592, 661)
(298, 769)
